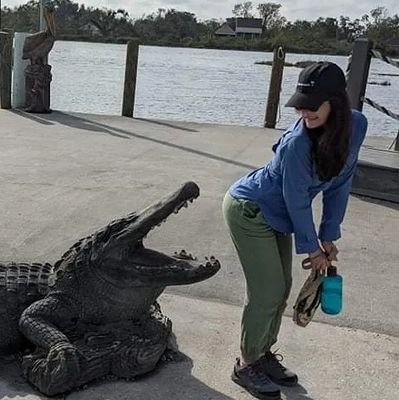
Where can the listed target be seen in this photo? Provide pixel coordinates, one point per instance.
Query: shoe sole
(259, 395)
(283, 382)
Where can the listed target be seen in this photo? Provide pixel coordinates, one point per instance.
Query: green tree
(175, 28)
(67, 16)
(243, 9)
(270, 14)
(107, 21)
(26, 17)
(169, 25)
(381, 26)
(209, 27)
(379, 15)
(326, 27)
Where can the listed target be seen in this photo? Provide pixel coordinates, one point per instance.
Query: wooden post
(275, 88)
(396, 148)
(19, 66)
(5, 69)
(129, 91)
(359, 72)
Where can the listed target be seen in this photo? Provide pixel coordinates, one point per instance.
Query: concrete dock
(65, 175)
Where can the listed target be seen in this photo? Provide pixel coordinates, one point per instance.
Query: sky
(221, 9)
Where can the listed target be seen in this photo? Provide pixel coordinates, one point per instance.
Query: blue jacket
(285, 187)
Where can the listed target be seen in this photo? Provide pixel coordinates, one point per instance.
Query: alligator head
(118, 253)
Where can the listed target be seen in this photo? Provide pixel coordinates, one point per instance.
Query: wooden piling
(275, 87)
(5, 69)
(359, 72)
(132, 55)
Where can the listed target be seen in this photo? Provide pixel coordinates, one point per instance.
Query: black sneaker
(255, 381)
(272, 367)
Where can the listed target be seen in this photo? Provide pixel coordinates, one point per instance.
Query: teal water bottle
(331, 292)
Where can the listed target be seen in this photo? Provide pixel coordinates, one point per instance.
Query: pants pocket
(249, 209)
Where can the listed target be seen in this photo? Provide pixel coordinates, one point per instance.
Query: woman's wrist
(316, 253)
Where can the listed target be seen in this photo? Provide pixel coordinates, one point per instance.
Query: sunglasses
(312, 109)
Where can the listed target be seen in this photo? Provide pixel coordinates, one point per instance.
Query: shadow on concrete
(169, 144)
(67, 120)
(169, 125)
(382, 203)
(295, 393)
(32, 117)
(76, 122)
(13, 385)
(171, 380)
(88, 125)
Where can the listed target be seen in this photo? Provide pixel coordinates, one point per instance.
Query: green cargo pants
(266, 259)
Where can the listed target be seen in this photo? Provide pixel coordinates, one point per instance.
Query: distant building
(241, 27)
(225, 30)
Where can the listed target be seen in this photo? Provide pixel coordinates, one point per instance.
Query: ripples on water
(196, 85)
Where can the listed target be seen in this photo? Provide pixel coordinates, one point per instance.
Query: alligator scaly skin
(21, 284)
(95, 313)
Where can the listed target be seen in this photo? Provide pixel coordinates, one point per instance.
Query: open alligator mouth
(124, 256)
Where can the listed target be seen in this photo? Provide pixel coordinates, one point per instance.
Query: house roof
(225, 29)
(240, 22)
(249, 23)
(245, 25)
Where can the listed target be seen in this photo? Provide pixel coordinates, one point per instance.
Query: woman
(317, 154)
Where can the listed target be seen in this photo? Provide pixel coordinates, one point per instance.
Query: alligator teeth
(176, 211)
(214, 261)
(185, 204)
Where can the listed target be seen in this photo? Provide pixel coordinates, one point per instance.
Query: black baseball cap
(317, 83)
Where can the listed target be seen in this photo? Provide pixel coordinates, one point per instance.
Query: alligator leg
(54, 372)
(142, 352)
(55, 366)
(124, 349)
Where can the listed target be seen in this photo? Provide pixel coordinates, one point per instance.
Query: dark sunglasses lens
(313, 109)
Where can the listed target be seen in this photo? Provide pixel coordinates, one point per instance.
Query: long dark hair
(331, 142)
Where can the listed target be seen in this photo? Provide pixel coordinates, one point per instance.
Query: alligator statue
(94, 314)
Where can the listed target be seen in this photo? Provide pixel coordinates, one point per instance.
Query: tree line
(182, 28)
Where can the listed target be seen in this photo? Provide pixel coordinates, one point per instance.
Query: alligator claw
(184, 256)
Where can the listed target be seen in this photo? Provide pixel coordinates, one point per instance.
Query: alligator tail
(21, 284)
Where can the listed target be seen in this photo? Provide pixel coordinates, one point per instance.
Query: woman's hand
(331, 250)
(319, 260)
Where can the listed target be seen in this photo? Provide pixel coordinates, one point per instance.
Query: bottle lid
(331, 270)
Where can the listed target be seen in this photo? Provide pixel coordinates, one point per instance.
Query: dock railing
(357, 75)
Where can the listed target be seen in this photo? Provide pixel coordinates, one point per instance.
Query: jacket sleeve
(335, 198)
(296, 171)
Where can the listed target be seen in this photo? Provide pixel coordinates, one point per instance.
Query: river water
(195, 85)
